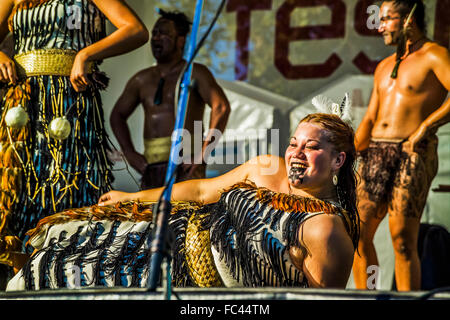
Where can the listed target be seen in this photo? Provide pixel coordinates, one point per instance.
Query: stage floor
(221, 294)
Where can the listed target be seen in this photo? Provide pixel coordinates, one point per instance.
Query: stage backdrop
(272, 57)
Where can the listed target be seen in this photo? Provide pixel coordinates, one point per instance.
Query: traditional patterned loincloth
(242, 240)
(401, 179)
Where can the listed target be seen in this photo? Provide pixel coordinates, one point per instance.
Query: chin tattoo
(294, 174)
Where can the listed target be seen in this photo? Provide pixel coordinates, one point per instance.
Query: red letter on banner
(362, 17)
(362, 61)
(243, 10)
(284, 34)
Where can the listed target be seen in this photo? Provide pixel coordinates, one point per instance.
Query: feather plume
(326, 105)
(323, 104)
(346, 105)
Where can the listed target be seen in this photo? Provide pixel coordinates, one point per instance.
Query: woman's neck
(326, 194)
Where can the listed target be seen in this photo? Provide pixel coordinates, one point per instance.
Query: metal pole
(163, 207)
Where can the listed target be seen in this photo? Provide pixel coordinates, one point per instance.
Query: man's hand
(113, 197)
(7, 69)
(136, 160)
(410, 145)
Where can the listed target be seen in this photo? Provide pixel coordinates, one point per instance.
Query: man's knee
(404, 245)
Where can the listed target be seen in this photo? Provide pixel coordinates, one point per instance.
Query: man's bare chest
(413, 77)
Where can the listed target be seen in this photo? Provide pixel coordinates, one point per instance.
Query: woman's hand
(79, 75)
(7, 69)
(113, 197)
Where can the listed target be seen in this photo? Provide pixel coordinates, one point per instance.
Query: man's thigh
(370, 212)
(413, 182)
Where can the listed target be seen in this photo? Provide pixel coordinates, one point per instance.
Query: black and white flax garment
(242, 240)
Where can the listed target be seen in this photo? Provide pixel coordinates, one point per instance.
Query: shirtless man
(397, 141)
(154, 88)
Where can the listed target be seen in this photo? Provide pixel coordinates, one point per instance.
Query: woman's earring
(335, 180)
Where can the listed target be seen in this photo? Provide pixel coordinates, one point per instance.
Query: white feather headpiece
(326, 105)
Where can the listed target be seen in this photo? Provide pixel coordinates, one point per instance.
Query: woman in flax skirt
(53, 142)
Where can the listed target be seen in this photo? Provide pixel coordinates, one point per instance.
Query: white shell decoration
(59, 128)
(16, 117)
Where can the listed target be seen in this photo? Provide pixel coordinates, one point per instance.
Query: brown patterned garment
(397, 178)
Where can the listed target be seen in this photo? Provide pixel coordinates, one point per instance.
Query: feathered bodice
(252, 230)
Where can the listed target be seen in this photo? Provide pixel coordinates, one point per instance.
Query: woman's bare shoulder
(267, 171)
(325, 229)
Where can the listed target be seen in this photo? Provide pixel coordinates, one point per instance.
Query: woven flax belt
(57, 62)
(157, 149)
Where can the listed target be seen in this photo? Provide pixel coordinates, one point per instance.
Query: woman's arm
(131, 33)
(329, 249)
(7, 68)
(201, 190)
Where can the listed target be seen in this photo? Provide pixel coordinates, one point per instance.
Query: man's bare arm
(440, 61)
(124, 107)
(364, 131)
(213, 95)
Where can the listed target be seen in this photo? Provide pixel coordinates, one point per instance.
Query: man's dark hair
(404, 7)
(180, 20)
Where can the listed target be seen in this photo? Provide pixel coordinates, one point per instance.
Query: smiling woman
(243, 228)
